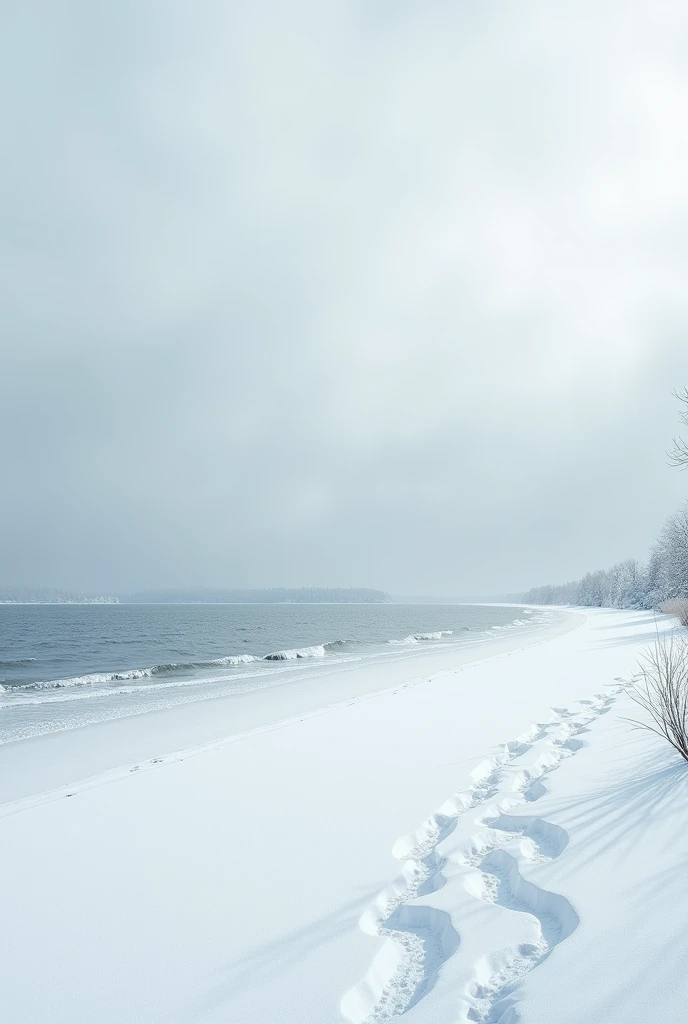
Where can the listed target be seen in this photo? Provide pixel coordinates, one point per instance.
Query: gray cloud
(335, 294)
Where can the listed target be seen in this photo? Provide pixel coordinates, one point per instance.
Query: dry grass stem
(677, 607)
(661, 689)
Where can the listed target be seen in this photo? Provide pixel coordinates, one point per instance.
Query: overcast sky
(382, 294)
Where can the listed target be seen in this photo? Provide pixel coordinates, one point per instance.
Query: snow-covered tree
(670, 557)
(627, 584)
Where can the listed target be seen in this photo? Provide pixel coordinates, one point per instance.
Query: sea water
(62, 666)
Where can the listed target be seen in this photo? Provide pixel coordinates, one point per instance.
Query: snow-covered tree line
(629, 584)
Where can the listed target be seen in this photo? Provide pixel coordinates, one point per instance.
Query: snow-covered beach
(464, 836)
(343, 409)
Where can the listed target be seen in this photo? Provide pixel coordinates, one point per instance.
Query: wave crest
(134, 673)
(316, 651)
(417, 638)
(231, 659)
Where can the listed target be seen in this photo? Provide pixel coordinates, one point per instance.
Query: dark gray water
(67, 665)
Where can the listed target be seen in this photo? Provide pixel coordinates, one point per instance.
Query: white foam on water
(416, 638)
(316, 651)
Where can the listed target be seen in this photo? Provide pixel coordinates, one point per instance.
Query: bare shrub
(661, 689)
(677, 607)
(678, 456)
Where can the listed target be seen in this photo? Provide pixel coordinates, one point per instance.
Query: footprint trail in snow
(421, 938)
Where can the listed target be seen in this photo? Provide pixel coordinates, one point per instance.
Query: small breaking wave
(231, 659)
(20, 698)
(91, 679)
(128, 675)
(15, 662)
(87, 680)
(417, 638)
(514, 624)
(316, 651)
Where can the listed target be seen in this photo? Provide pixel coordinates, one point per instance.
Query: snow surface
(487, 843)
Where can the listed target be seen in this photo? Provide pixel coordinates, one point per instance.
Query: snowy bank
(466, 844)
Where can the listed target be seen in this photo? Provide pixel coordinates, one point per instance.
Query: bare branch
(678, 456)
(661, 689)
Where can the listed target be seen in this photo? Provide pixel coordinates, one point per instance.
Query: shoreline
(54, 759)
